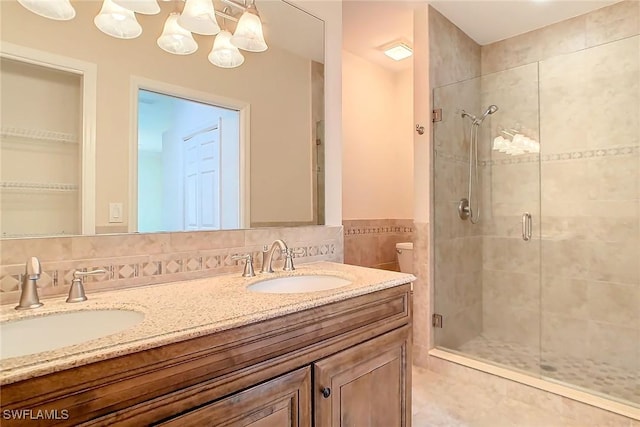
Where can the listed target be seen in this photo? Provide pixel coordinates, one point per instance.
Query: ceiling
(370, 24)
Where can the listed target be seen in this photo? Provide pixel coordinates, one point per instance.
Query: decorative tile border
(553, 157)
(140, 270)
(380, 226)
(376, 230)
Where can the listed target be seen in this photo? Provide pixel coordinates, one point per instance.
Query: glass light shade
(224, 54)
(175, 39)
(117, 21)
(248, 35)
(198, 16)
(146, 7)
(60, 10)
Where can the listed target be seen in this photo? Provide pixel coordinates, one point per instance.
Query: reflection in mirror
(40, 150)
(188, 165)
(283, 87)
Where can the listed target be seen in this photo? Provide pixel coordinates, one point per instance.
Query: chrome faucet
(29, 295)
(267, 255)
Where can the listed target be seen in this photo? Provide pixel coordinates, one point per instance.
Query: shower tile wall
(454, 57)
(590, 179)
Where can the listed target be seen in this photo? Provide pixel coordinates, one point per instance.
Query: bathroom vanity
(210, 352)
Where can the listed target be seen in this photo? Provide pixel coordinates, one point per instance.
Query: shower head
(490, 110)
(476, 121)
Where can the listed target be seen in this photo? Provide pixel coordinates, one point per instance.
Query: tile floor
(586, 373)
(441, 400)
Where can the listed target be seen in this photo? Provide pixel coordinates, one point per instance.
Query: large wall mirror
(278, 96)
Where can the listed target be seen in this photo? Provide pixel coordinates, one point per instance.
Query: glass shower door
(487, 272)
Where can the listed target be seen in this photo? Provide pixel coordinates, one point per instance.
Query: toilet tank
(404, 251)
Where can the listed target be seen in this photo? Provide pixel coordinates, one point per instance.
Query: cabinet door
(284, 401)
(367, 385)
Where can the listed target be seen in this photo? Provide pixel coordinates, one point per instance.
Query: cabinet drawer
(284, 401)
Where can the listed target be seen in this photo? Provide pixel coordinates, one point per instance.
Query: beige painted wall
(378, 149)
(280, 106)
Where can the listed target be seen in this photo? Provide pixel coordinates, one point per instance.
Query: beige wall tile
(614, 303)
(453, 55)
(561, 335)
(565, 296)
(611, 23)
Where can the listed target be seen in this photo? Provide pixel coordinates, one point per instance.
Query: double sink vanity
(326, 344)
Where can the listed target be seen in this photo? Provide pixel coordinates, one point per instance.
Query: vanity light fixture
(117, 21)
(398, 51)
(117, 18)
(60, 10)
(175, 39)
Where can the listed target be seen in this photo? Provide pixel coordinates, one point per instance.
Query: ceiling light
(60, 10)
(175, 39)
(146, 7)
(398, 51)
(117, 21)
(224, 54)
(199, 17)
(248, 35)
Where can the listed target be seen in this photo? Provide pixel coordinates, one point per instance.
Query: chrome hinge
(436, 320)
(436, 115)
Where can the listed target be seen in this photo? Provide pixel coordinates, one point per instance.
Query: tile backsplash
(144, 259)
(372, 242)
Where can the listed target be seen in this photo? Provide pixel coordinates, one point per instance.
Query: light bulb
(117, 21)
(248, 35)
(199, 17)
(224, 54)
(175, 39)
(146, 7)
(60, 10)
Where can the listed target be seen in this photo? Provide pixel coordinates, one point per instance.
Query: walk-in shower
(465, 209)
(558, 295)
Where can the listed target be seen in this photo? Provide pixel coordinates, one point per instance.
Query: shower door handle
(526, 226)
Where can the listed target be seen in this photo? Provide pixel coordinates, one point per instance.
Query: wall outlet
(115, 212)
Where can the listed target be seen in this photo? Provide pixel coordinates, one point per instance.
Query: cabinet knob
(326, 392)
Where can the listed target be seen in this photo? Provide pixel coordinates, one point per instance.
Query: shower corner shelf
(37, 186)
(38, 134)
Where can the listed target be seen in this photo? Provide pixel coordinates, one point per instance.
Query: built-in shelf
(38, 134)
(38, 186)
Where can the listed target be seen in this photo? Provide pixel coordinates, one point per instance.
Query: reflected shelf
(38, 134)
(37, 186)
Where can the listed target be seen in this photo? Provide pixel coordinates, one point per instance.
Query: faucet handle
(248, 265)
(76, 292)
(288, 258)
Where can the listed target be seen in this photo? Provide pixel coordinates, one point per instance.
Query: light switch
(115, 212)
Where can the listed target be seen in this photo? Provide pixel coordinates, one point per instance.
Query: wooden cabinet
(366, 385)
(257, 375)
(284, 401)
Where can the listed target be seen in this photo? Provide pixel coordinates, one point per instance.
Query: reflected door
(202, 180)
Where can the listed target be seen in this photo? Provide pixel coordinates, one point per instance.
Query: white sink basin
(53, 331)
(298, 284)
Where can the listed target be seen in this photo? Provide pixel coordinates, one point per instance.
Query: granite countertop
(178, 311)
